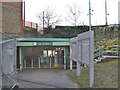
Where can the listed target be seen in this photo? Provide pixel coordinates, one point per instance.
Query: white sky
(33, 7)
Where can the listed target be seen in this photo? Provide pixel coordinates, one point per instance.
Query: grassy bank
(105, 75)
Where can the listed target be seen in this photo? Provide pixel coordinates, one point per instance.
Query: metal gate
(8, 61)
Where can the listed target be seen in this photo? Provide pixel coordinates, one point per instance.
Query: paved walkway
(45, 78)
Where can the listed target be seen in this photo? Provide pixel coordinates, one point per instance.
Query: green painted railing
(100, 51)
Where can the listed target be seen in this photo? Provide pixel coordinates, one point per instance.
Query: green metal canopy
(43, 42)
(45, 39)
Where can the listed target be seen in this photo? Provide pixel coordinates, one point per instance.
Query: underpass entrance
(42, 53)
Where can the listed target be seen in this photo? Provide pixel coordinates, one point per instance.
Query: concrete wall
(30, 52)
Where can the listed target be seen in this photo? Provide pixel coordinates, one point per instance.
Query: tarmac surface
(45, 78)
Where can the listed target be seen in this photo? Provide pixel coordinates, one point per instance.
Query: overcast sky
(33, 7)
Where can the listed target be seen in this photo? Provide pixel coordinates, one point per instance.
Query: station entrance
(42, 53)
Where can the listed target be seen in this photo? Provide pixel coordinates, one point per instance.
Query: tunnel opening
(41, 57)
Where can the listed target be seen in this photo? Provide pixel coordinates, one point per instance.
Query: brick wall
(11, 17)
(12, 23)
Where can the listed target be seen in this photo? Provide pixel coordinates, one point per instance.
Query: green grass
(105, 75)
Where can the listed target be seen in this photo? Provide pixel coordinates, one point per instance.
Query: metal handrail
(102, 52)
(11, 38)
(7, 35)
(6, 41)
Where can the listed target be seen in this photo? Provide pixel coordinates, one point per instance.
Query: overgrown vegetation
(105, 75)
(101, 33)
(108, 43)
(66, 31)
(105, 36)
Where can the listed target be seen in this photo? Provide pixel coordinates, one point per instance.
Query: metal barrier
(39, 63)
(31, 25)
(9, 80)
(101, 51)
(8, 61)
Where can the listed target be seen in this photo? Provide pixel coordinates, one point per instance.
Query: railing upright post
(117, 50)
(102, 52)
(99, 52)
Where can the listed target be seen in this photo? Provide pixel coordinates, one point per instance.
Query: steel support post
(70, 64)
(20, 52)
(31, 63)
(50, 63)
(39, 63)
(78, 68)
(91, 58)
(65, 58)
(24, 63)
(89, 15)
(78, 63)
(15, 47)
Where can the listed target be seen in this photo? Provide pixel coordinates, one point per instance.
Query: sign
(49, 52)
(42, 44)
(84, 49)
(73, 49)
(45, 53)
(82, 52)
(87, 52)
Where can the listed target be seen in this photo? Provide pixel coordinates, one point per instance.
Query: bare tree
(48, 18)
(74, 15)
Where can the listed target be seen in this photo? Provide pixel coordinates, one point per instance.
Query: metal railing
(102, 50)
(6, 35)
(31, 25)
